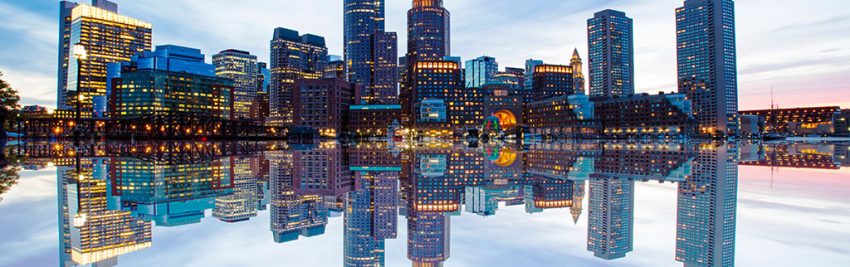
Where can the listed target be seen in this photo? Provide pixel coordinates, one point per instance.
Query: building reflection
(109, 201)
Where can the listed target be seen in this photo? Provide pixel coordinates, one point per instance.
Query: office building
(551, 81)
(645, 115)
(90, 38)
(363, 19)
(335, 69)
(707, 207)
(172, 80)
(707, 63)
(561, 116)
(242, 68)
(385, 70)
(428, 31)
(578, 74)
(372, 120)
(322, 105)
(530, 65)
(293, 57)
(480, 71)
(610, 233)
(611, 43)
(511, 76)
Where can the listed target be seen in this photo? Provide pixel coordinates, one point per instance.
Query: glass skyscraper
(293, 57)
(611, 44)
(707, 62)
(480, 71)
(371, 54)
(610, 229)
(242, 68)
(106, 36)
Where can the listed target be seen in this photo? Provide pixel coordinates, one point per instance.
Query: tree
(9, 99)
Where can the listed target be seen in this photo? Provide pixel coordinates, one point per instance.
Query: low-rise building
(645, 115)
(372, 120)
(796, 121)
(322, 105)
(562, 116)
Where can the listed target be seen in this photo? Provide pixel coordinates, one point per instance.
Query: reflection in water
(111, 195)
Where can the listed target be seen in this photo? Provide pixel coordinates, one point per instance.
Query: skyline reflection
(111, 196)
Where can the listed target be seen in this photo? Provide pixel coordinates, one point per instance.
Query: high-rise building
(707, 62)
(436, 82)
(242, 68)
(293, 57)
(90, 38)
(611, 44)
(385, 71)
(428, 238)
(530, 65)
(610, 230)
(707, 206)
(428, 31)
(363, 18)
(480, 71)
(335, 69)
(371, 54)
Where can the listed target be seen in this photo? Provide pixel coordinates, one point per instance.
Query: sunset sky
(801, 48)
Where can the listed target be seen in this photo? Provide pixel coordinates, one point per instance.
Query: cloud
(777, 44)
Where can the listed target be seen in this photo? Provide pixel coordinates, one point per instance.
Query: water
(370, 204)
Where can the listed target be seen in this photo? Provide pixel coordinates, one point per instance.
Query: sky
(810, 208)
(801, 49)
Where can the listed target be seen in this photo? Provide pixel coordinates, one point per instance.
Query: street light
(80, 54)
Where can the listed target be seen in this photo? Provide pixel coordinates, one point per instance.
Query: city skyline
(477, 32)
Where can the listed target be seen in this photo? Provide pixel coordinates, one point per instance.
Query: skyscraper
(428, 31)
(385, 71)
(480, 71)
(707, 62)
(611, 226)
(242, 68)
(707, 205)
(293, 57)
(610, 40)
(371, 54)
(103, 36)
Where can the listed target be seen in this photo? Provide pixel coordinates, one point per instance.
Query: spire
(576, 55)
(576, 213)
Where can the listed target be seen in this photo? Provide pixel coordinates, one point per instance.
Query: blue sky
(799, 47)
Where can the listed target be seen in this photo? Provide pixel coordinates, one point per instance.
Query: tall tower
(293, 57)
(578, 74)
(105, 36)
(428, 31)
(370, 52)
(611, 225)
(707, 205)
(242, 68)
(610, 40)
(707, 62)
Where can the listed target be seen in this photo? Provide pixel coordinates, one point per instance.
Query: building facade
(707, 63)
(551, 81)
(293, 57)
(372, 120)
(242, 68)
(798, 120)
(101, 36)
(611, 42)
(322, 104)
(171, 80)
(561, 116)
(480, 71)
(645, 115)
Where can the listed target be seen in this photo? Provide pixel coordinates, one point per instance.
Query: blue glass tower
(610, 39)
(707, 62)
(370, 53)
(610, 229)
(480, 71)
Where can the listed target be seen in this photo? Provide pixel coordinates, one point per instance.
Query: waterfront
(550, 204)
